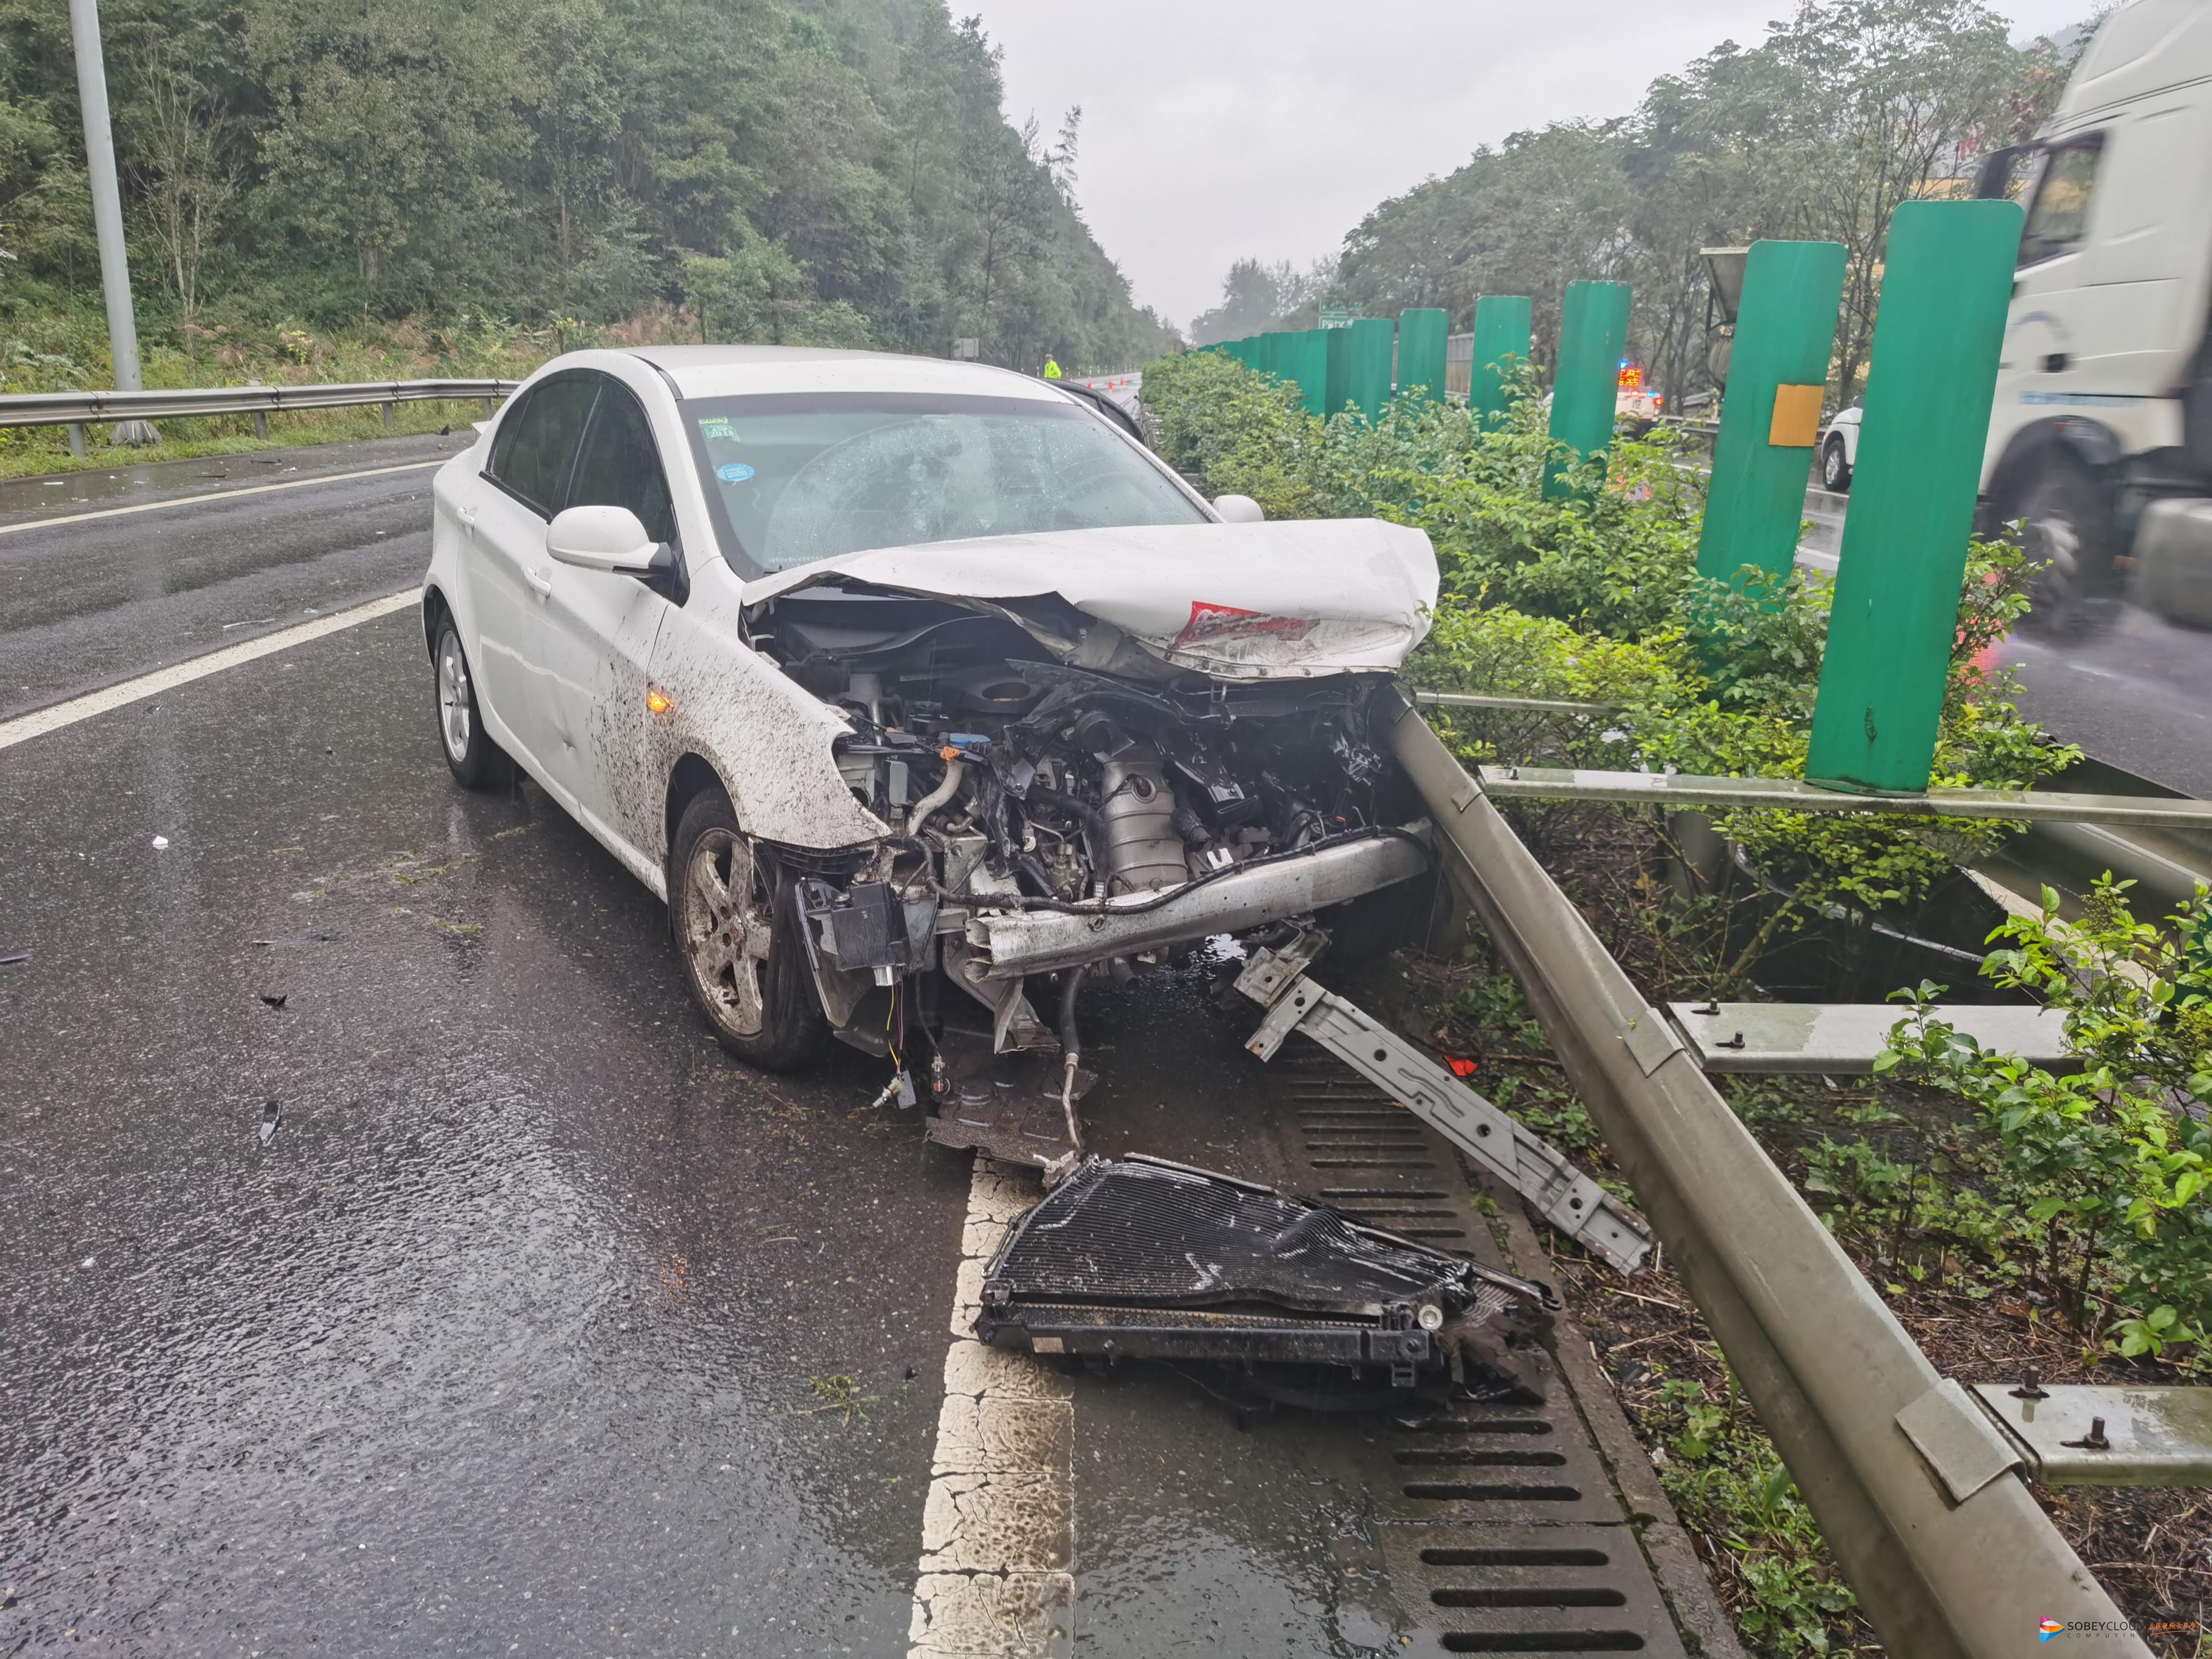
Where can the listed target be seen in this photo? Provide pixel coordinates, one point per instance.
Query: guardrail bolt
(2030, 1386)
(2092, 1440)
(1712, 1005)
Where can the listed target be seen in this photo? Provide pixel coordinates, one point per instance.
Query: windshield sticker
(718, 426)
(735, 472)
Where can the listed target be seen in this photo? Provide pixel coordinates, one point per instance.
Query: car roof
(723, 371)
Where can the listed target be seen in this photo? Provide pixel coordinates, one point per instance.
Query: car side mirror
(609, 538)
(1239, 509)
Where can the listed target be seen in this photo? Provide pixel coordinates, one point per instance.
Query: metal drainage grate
(1498, 1529)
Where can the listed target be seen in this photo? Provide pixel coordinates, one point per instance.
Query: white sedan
(892, 674)
(1839, 449)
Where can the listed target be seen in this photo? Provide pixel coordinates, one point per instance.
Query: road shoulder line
(41, 722)
(998, 1529)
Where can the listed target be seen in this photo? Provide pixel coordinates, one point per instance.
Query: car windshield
(796, 478)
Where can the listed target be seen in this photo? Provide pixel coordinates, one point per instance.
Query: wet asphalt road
(506, 1340)
(87, 602)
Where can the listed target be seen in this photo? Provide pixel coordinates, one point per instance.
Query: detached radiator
(1148, 1259)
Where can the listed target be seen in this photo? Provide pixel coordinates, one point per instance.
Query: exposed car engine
(1024, 794)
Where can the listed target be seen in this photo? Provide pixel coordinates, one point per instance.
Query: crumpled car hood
(1292, 599)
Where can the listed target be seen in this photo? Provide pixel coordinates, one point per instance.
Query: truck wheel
(2067, 535)
(738, 929)
(1835, 466)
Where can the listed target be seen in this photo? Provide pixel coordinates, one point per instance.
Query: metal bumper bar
(1038, 941)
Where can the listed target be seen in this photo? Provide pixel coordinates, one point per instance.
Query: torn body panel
(1238, 602)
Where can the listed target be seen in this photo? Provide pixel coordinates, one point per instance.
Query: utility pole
(107, 212)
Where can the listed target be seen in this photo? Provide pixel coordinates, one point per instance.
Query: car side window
(620, 466)
(2058, 217)
(537, 462)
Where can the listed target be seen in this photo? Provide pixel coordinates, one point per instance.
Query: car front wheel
(471, 754)
(1835, 467)
(737, 927)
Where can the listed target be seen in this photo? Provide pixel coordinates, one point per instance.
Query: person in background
(1051, 369)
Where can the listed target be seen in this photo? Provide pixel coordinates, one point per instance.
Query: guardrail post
(76, 439)
(1586, 387)
(390, 415)
(1501, 331)
(260, 419)
(1946, 289)
(487, 408)
(1771, 418)
(1421, 335)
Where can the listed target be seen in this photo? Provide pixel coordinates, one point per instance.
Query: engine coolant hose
(954, 772)
(1071, 1048)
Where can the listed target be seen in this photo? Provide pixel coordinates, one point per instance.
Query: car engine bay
(1049, 818)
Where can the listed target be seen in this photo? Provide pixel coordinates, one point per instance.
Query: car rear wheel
(2067, 535)
(737, 927)
(472, 757)
(1835, 466)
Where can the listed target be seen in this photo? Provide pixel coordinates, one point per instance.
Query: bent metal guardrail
(75, 409)
(1947, 1550)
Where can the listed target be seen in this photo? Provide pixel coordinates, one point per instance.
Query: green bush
(2114, 1160)
(1595, 597)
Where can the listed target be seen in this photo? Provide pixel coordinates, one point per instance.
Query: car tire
(737, 928)
(2067, 534)
(1835, 466)
(476, 761)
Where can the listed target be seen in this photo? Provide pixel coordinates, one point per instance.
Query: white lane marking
(997, 1574)
(41, 722)
(219, 495)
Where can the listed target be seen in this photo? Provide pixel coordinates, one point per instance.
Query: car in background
(914, 686)
(1838, 455)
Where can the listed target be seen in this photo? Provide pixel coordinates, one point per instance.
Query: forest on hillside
(833, 172)
(1846, 109)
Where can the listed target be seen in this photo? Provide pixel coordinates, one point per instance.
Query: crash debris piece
(1564, 1195)
(271, 1115)
(1143, 1259)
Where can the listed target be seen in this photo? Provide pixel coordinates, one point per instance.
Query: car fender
(767, 736)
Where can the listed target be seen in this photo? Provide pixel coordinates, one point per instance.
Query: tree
(175, 132)
(1256, 298)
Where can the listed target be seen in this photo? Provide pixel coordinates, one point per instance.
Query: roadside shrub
(2115, 1160)
(1595, 597)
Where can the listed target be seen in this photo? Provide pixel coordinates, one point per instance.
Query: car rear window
(796, 478)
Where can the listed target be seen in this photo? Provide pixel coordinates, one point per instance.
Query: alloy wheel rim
(453, 697)
(727, 927)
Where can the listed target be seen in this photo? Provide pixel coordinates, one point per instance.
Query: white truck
(2101, 438)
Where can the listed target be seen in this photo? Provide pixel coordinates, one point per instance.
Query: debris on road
(159, 841)
(275, 1001)
(1144, 1259)
(271, 1115)
(15, 958)
(1563, 1194)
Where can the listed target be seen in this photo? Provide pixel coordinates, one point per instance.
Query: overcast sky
(1218, 129)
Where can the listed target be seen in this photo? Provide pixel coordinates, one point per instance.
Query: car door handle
(467, 517)
(540, 580)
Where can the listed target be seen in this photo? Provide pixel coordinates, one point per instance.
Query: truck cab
(2100, 437)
